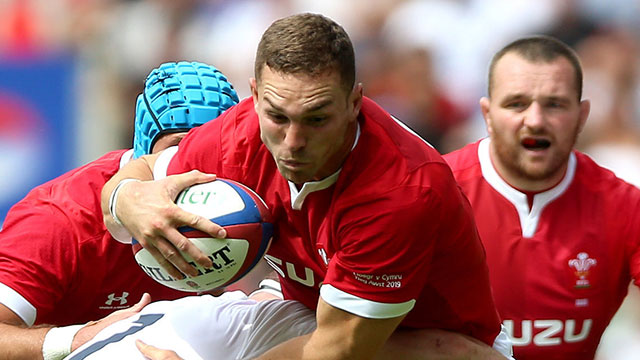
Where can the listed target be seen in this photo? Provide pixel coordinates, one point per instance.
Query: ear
(253, 85)
(355, 100)
(485, 104)
(585, 107)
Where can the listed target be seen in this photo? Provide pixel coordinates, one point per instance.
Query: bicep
(7, 316)
(338, 335)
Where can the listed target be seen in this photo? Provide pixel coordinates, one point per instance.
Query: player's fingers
(184, 245)
(205, 225)
(152, 352)
(164, 249)
(184, 218)
(177, 183)
(215, 292)
(144, 301)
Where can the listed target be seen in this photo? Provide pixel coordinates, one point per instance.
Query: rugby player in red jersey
(371, 230)
(562, 234)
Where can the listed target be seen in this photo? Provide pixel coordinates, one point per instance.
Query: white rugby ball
(245, 217)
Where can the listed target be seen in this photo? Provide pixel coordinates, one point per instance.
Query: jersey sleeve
(633, 239)
(635, 265)
(36, 261)
(385, 253)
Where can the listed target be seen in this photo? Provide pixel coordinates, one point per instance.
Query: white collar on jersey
(528, 218)
(297, 197)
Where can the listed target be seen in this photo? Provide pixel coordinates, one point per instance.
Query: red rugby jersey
(389, 233)
(561, 269)
(58, 263)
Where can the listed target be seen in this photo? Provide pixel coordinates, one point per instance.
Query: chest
(304, 238)
(559, 271)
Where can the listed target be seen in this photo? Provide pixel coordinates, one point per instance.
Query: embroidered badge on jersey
(582, 265)
(582, 271)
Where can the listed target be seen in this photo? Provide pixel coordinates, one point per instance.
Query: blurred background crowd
(70, 71)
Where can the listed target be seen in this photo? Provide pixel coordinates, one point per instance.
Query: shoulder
(231, 141)
(389, 138)
(390, 153)
(594, 177)
(237, 121)
(464, 162)
(71, 197)
(617, 201)
(395, 189)
(83, 185)
(75, 183)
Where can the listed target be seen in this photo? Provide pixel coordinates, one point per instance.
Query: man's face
(307, 123)
(533, 118)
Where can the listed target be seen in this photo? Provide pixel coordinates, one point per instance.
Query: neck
(524, 182)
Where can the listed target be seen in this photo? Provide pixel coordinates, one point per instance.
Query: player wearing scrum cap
(59, 264)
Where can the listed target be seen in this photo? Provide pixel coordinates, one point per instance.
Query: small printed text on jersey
(383, 281)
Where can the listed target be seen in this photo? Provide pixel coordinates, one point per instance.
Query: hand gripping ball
(241, 212)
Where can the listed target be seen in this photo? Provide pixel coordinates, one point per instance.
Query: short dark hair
(307, 43)
(540, 48)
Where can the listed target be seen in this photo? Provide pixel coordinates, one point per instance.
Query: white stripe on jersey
(18, 304)
(230, 326)
(363, 307)
(404, 126)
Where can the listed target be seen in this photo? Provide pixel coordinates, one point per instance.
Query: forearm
(291, 349)
(338, 335)
(18, 342)
(140, 169)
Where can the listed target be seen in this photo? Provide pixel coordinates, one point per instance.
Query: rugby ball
(245, 217)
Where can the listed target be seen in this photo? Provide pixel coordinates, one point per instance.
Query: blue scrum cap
(178, 97)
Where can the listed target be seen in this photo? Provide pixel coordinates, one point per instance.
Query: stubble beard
(514, 158)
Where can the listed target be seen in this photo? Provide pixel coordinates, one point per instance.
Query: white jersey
(230, 326)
